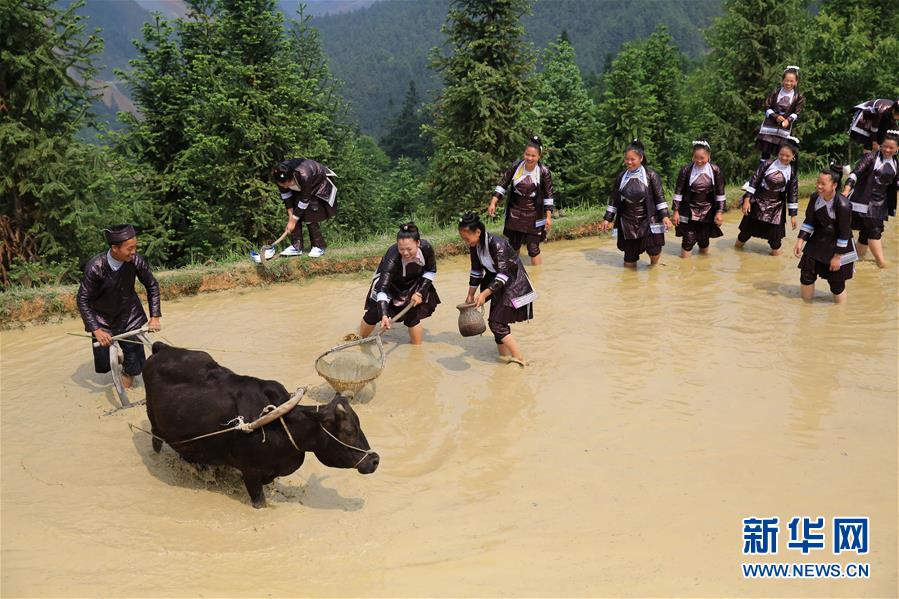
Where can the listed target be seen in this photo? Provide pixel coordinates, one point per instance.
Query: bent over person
(310, 197)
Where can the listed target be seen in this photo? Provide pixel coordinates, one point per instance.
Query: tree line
(229, 92)
(397, 35)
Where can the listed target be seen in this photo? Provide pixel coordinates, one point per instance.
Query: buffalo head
(342, 443)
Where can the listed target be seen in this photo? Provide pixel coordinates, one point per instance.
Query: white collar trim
(699, 170)
(640, 173)
(777, 165)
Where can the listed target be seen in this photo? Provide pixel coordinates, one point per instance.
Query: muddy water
(661, 408)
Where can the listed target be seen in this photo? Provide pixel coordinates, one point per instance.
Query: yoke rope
(269, 413)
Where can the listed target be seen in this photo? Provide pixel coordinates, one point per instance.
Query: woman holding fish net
(405, 276)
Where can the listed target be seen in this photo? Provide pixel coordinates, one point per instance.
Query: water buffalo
(189, 394)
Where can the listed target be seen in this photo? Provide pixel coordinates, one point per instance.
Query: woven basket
(471, 320)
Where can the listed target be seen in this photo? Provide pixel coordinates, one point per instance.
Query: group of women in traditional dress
(638, 212)
(406, 274)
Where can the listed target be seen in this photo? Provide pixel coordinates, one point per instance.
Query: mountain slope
(378, 49)
(120, 22)
(380, 45)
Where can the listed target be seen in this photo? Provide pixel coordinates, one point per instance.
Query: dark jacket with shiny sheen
(826, 235)
(656, 206)
(312, 178)
(400, 282)
(789, 195)
(876, 196)
(107, 299)
(510, 285)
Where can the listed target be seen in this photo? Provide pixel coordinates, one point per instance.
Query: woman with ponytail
(497, 270)
(782, 107)
(310, 197)
(872, 189)
(529, 205)
(771, 194)
(698, 201)
(825, 246)
(405, 276)
(638, 208)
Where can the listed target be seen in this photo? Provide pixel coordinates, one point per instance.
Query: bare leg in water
(876, 246)
(807, 291)
(509, 348)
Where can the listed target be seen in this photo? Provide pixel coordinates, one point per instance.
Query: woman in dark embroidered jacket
(498, 271)
(405, 275)
(782, 108)
(698, 201)
(528, 188)
(638, 209)
(872, 120)
(825, 245)
(310, 197)
(771, 194)
(872, 189)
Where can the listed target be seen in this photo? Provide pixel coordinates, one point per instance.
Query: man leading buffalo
(110, 306)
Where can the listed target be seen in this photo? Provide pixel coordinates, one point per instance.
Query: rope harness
(269, 414)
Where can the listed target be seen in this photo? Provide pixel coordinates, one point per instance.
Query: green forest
(397, 35)
(228, 92)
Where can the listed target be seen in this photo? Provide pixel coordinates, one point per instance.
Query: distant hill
(170, 9)
(377, 46)
(376, 50)
(120, 22)
(324, 7)
(178, 8)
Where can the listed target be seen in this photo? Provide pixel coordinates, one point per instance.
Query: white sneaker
(291, 251)
(316, 252)
(269, 254)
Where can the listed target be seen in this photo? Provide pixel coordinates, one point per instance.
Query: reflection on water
(660, 408)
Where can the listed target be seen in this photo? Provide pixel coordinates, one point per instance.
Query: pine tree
(225, 95)
(642, 99)
(850, 58)
(482, 116)
(568, 125)
(750, 44)
(55, 189)
(404, 137)
(309, 56)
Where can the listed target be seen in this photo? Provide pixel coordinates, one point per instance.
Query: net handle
(399, 315)
(371, 338)
(374, 338)
(265, 248)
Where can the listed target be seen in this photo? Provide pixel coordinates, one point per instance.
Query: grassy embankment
(22, 306)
